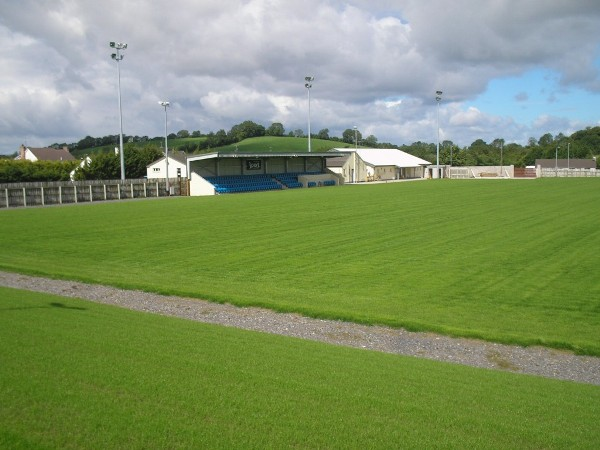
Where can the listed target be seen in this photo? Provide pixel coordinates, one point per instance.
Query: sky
(510, 69)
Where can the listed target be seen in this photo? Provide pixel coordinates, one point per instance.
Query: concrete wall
(199, 186)
(57, 193)
(480, 172)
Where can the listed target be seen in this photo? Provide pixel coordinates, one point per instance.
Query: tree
(298, 133)
(183, 134)
(323, 134)
(103, 166)
(138, 159)
(350, 136)
(370, 141)
(86, 142)
(196, 134)
(546, 139)
(12, 171)
(276, 129)
(245, 130)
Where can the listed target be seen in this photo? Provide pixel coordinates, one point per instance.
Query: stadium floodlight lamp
(438, 98)
(309, 79)
(118, 58)
(164, 105)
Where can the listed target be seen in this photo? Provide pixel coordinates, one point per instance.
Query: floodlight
(118, 57)
(308, 85)
(164, 104)
(438, 97)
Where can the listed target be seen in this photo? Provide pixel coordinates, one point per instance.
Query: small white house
(177, 161)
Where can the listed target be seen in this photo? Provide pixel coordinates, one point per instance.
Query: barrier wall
(57, 193)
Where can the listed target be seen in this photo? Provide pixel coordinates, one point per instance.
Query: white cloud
(376, 63)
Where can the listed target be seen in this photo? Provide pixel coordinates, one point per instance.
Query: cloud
(376, 64)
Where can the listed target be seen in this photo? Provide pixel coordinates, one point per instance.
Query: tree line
(139, 152)
(102, 166)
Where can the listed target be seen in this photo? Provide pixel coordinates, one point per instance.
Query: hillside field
(512, 261)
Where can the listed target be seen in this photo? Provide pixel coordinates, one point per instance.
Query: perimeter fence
(15, 195)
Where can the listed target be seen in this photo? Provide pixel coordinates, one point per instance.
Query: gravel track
(538, 361)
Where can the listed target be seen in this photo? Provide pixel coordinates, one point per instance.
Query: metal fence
(63, 192)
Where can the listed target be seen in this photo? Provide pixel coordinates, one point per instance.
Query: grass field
(510, 261)
(76, 374)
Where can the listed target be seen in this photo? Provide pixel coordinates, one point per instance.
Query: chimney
(22, 150)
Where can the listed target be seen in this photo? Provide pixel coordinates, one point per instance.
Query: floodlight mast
(164, 105)
(438, 98)
(118, 57)
(308, 86)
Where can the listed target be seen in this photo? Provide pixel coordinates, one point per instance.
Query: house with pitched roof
(158, 169)
(44, 154)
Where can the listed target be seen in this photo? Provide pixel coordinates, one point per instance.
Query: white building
(376, 164)
(177, 161)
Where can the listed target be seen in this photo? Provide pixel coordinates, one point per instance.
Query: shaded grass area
(509, 261)
(83, 375)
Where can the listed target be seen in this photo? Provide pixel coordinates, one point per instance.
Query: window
(156, 169)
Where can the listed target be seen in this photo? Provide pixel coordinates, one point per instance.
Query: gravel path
(531, 360)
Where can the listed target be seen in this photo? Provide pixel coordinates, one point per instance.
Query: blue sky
(508, 68)
(535, 93)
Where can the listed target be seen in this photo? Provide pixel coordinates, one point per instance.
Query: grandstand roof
(386, 157)
(261, 155)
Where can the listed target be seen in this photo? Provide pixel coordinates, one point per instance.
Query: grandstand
(230, 173)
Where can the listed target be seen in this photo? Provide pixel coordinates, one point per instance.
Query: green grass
(508, 261)
(263, 144)
(76, 374)
(281, 144)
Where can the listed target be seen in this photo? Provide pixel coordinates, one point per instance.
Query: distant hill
(269, 144)
(281, 144)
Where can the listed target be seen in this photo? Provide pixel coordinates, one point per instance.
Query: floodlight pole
(438, 98)
(118, 57)
(165, 104)
(308, 85)
(501, 159)
(356, 137)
